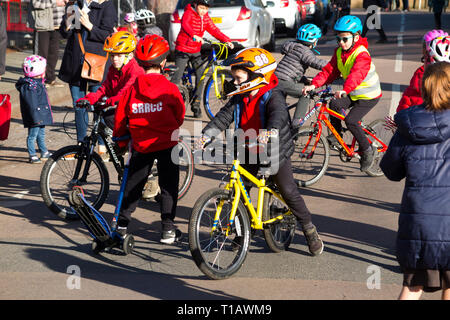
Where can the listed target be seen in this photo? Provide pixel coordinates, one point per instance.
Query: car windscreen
(216, 3)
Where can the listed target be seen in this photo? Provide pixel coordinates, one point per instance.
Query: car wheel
(271, 45)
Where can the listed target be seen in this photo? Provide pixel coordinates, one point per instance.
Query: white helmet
(145, 17)
(439, 49)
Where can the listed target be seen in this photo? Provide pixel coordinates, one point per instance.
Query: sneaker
(333, 141)
(196, 109)
(151, 189)
(315, 244)
(103, 153)
(45, 156)
(35, 159)
(366, 160)
(170, 236)
(122, 231)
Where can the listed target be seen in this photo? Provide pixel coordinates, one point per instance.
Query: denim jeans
(36, 134)
(81, 114)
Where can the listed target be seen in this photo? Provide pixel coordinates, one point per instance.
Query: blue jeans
(36, 134)
(81, 114)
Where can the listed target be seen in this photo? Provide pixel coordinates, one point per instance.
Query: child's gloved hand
(307, 89)
(197, 39)
(264, 135)
(340, 94)
(201, 142)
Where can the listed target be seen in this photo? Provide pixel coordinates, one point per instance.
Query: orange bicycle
(312, 150)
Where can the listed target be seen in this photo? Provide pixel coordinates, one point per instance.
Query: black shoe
(315, 244)
(196, 109)
(122, 231)
(367, 159)
(383, 40)
(170, 236)
(333, 141)
(237, 243)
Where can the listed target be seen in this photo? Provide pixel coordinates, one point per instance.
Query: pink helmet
(34, 66)
(430, 35)
(129, 17)
(439, 49)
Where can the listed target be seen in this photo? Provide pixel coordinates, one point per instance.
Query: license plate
(216, 19)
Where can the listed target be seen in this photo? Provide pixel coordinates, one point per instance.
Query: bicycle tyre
(204, 245)
(309, 171)
(55, 198)
(211, 103)
(385, 135)
(278, 235)
(186, 164)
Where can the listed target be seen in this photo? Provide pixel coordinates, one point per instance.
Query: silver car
(244, 21)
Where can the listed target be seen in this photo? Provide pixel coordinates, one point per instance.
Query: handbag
(93, 64)
(5, 116)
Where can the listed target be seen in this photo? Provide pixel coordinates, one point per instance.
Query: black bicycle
(80, 165)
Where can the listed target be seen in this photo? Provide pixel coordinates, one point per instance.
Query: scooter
(105, 237)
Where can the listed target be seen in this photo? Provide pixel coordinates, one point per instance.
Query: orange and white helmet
(120, 42)
(258, 62)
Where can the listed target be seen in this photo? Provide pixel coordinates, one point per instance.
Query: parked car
(317, 11)
(286, 15)
(244, 21)
(301, 9)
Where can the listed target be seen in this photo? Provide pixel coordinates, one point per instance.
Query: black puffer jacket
(297, 59)
(274, 114)
(103, 16)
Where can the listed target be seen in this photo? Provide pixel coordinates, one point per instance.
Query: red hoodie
(358, 73)
(116, 83)
(412, 96)
(194, 25)
(150, 110)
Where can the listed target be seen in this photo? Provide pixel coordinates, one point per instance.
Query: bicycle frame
(322, 106)
(211, 62)
(236, 183)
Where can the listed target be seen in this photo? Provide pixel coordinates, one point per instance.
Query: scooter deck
(92, 219)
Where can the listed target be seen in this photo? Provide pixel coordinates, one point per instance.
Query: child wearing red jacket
(361, 91)
(121, 74)
(412, 96)
(194, 23)
(151, 111)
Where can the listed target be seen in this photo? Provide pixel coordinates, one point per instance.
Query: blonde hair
(436, 86)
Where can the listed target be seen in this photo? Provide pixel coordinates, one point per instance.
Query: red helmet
(151, 50)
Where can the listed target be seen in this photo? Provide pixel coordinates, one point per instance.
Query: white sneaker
(151, 189)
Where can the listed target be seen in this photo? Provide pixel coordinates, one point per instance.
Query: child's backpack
(5, 116)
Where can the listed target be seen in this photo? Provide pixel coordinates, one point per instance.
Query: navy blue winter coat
(420, 151)
(34, 105)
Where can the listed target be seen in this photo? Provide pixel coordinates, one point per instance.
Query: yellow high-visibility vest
(370, 87)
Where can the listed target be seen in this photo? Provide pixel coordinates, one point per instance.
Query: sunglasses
(343, 39)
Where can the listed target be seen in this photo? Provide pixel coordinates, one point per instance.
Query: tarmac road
(356, 216)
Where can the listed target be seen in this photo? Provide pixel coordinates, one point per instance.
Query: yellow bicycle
(222, 221)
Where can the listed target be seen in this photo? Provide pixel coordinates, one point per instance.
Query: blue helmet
(309, 33)
(350, 24)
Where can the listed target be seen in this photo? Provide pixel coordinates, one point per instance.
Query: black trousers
(48, 47)
(358, 109)
(168, 179)
(181, 61)
(380, 30)
(294, 89)
(284, 179)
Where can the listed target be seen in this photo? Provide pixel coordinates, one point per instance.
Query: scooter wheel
(128, 244)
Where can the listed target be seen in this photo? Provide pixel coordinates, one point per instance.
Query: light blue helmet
(350, 24)
(309, 33)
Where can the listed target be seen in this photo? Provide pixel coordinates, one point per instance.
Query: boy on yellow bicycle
(255, 107)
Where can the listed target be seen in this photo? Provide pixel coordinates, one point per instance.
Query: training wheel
(128, 244)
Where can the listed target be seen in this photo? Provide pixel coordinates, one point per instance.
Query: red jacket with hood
(412, 96)
(116, 83)
(150, 110)
(359, 70)
(194, 25)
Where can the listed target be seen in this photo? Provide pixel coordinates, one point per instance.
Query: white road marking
(399, 62)
(395, 98)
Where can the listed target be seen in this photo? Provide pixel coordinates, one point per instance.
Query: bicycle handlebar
(325, 94)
